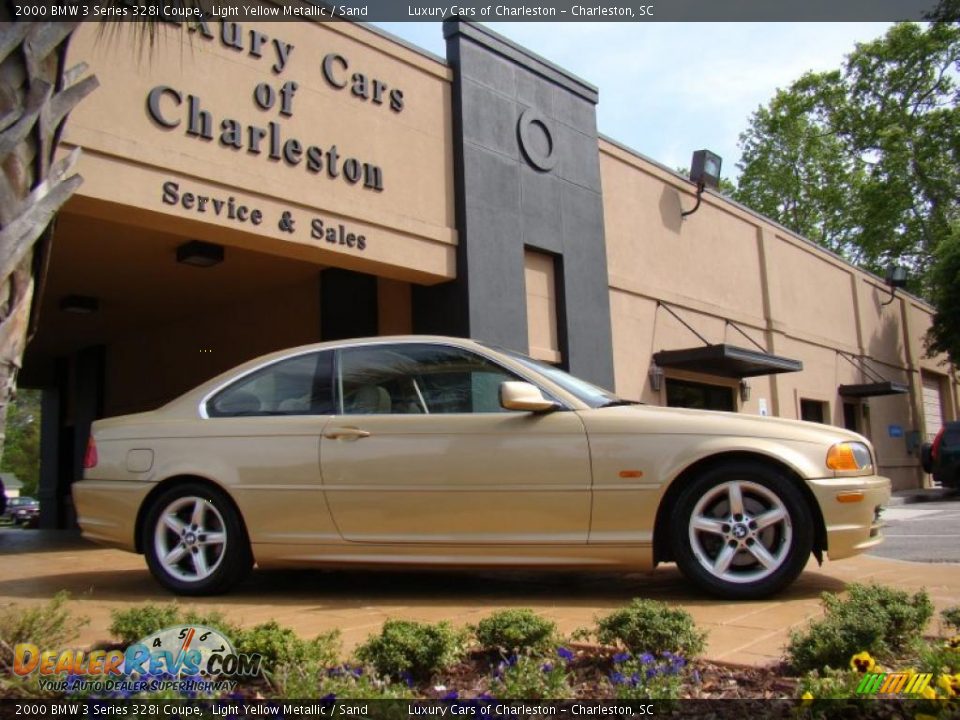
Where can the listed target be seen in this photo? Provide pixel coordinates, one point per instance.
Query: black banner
(488, 10)
(247, 709)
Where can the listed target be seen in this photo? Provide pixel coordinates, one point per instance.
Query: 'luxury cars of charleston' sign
(171, 108)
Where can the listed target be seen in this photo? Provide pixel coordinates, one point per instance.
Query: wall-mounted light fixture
(79, 304)
(744, 390)
(896, 278)
(705, 172)
(200, 254)
(656, 377)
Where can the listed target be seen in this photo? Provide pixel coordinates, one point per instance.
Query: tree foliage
(865, 160)
(944, 335)
(21, 452)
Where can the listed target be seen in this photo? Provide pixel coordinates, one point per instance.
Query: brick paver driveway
(35, 565)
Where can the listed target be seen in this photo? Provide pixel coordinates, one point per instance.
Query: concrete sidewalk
(35, 565)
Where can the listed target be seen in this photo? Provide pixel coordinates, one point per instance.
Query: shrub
(951, 617)
(48, 626)
(646, 676)
(525, 677)
(652, 627)
(874, 618)
(281, 646)
(136, 623)
(410, 648)
(517, 630)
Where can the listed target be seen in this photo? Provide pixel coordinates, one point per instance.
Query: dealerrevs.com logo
(191, 659)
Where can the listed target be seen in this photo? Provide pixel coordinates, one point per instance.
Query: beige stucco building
(250, 186)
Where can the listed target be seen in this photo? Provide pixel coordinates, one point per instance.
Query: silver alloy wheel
(190, 539)
(740, 531)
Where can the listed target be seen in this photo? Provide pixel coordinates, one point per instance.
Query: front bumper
(107, 510)
(851, 512)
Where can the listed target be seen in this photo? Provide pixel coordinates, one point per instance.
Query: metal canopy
(726, 361)
(875, 389)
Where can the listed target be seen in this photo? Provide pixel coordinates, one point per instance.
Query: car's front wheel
(194, 541)
(741, 530)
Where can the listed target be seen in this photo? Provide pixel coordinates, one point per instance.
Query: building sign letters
(170, 108)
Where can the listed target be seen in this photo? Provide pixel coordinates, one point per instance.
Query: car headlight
(849, 456)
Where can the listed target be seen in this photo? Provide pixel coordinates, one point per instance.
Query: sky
(667, 89)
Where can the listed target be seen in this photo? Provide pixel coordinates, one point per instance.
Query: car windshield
(21, 501)
(589, 393)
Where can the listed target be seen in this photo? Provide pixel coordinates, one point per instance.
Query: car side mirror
(524, 396)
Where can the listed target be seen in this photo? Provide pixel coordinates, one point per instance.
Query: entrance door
(422, 452)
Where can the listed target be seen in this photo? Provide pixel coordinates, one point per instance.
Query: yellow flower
(862, 662)
(928, 693)
(948, 684)
(953, 642)
(807, 696)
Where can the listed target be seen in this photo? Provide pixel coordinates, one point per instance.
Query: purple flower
(647, 659)
(329, 697)
(546, 667)
(511, 661)
(452, 695)
(407, 678)
(621, 657)
(696, 677)
(566, 654)
(617, 678)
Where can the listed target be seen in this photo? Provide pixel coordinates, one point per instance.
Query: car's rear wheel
(194, 541)
(741, 530)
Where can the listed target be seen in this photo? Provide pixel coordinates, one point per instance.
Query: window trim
(202, 409)
(523, 374)
(393, 343)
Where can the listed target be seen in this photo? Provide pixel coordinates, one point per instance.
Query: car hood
(683, 421)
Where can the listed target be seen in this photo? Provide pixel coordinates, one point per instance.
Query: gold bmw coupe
(431, 451)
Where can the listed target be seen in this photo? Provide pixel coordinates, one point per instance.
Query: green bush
(136, 623)
(951, 617)
(653, 627)
(527, 678)
(280, 646)
(49, 627)
(516, 630)
(418, 649)
(873, 618)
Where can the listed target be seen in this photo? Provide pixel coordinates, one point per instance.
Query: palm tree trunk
(36, 95)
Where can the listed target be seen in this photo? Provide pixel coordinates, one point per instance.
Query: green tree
(944, 335)
(865, 160)
(21, 452)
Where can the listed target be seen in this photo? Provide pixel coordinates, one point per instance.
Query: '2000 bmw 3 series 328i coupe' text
(429, 451)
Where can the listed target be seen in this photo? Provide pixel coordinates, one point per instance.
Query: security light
(705, 172)
(200, 254)
(896, 278)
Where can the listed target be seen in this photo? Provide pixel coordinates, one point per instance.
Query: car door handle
(346, 433)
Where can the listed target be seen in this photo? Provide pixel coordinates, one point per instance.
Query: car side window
(417, 379)
(300, 385)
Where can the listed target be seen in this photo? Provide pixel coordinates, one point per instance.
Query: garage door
(932, 406)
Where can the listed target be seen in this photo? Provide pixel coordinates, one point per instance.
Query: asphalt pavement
(923, 531)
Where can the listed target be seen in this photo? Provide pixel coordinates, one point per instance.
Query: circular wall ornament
(536, 140)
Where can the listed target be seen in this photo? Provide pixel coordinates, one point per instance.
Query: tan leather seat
(370, 400)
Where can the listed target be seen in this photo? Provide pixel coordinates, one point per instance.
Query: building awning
(874, 389)
(726, 361)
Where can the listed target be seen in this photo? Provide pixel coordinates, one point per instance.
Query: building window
(687, 394)
(813, 410)
(851, 416)
(540, 272)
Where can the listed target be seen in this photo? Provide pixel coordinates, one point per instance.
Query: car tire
(195, 542)
(746, 554)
